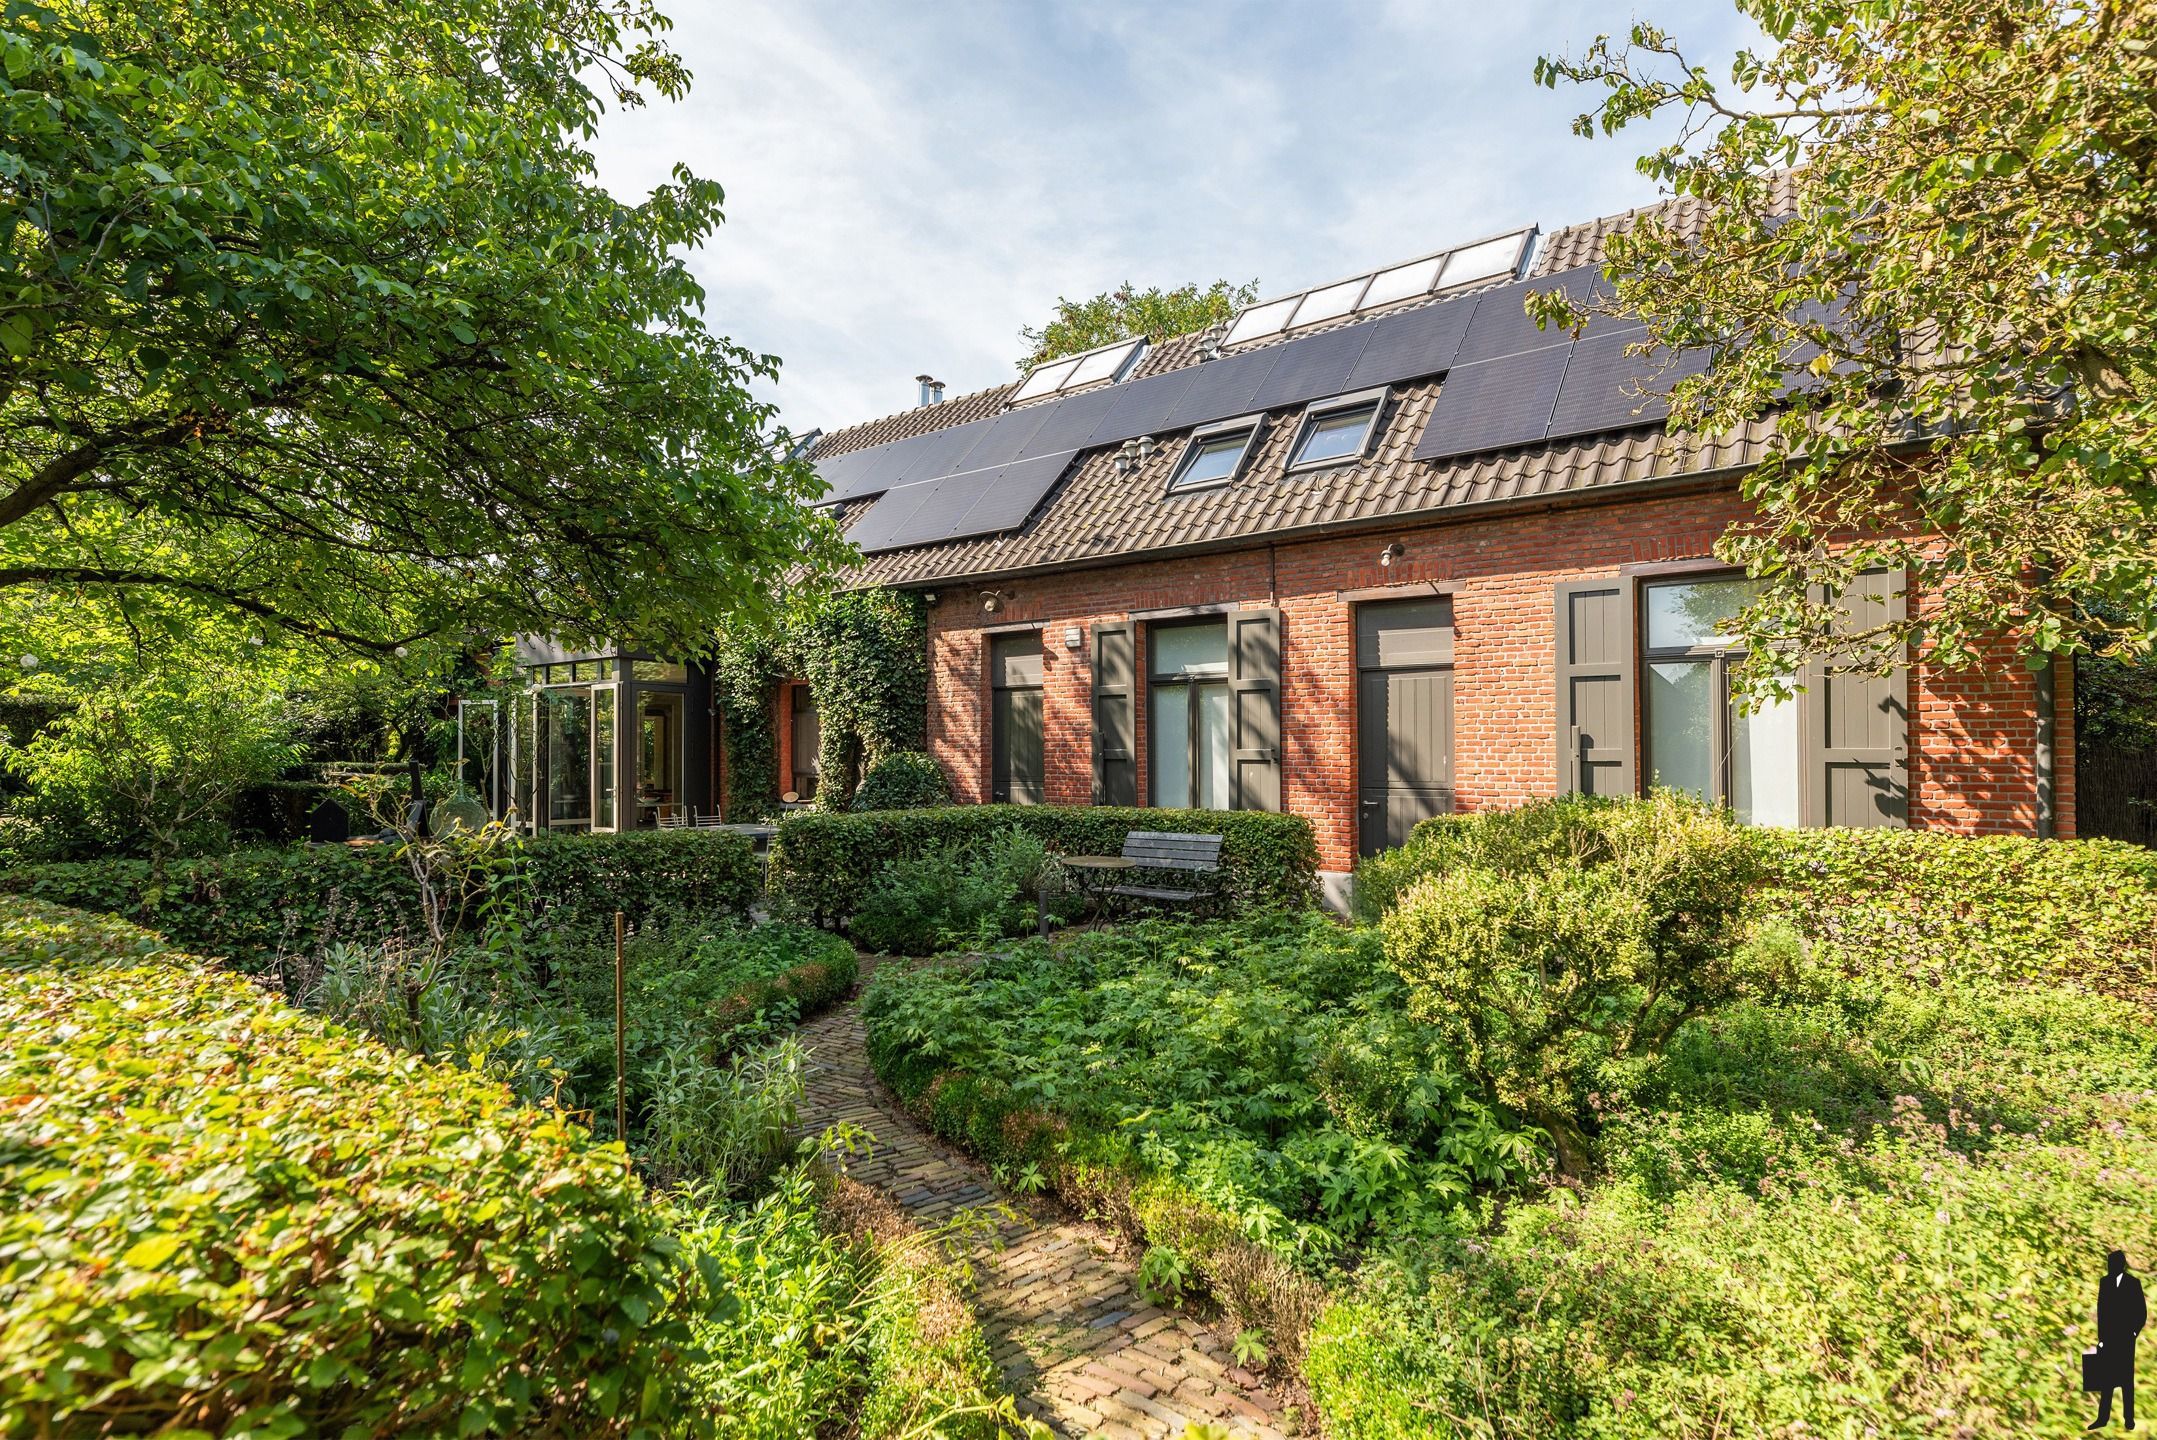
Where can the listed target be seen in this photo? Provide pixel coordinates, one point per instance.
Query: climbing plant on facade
(864, 654)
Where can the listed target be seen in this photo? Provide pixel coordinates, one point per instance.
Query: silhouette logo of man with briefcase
(2121, 1315)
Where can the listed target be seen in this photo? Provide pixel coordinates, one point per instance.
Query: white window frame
(1249, 424)
(1333, 405)
(1063, 367)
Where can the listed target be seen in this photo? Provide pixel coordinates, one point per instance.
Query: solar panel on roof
(1016, 490)
(1607, 389)
(888, 516)
(1501, 325)
(1143, 406)
(1007, 435)
(1313, 367)
(1412, 344)
(1494, 404)
(940, 452)
(1224, 387)
(1069, 424)
(859, 473)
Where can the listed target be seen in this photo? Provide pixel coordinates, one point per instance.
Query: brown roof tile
(1095, 515)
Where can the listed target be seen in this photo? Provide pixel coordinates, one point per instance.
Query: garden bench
(1168, 850)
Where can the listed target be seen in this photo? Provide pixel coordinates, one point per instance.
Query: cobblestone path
(1076, 1343)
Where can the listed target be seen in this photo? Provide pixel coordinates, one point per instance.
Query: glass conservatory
(594, 741)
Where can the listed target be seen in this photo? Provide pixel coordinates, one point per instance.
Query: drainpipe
(2047, 725)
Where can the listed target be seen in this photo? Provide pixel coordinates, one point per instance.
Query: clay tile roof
(1095, 515)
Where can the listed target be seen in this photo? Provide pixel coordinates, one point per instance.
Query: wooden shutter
(1254, 698)
(1115, 693)
(1597, 661)
(1857, 725)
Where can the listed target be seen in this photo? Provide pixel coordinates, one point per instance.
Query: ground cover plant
(1853, 1120)
(1873, 1192)
(1250, 1097)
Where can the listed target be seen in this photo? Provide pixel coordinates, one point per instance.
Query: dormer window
(1215, 455)
(1338, 431)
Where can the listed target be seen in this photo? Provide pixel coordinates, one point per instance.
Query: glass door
(565, 756)
(661, 756)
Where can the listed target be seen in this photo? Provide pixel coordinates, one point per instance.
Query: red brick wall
(1972, 734)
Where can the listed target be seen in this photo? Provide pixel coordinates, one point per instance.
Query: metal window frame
(1250, 424)
(1137, 345)
(1377, 399)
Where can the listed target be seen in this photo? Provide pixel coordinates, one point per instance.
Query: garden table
(1102, 864)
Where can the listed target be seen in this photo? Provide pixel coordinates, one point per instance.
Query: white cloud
(907, 184)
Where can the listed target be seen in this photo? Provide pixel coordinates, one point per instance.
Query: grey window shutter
(1597, 660)
(1115, 695)
(1254, 697)
(1857, 725)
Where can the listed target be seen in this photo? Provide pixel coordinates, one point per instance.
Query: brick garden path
(1060, 1307)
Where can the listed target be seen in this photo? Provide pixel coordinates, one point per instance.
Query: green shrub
(1924, 902)
(1901, 1289)
(822, 865)
(257, 906)
(297, 1231)
(2075, 912)
(730, 1124)
(1562, 943)
(920, 904)
(906, 780)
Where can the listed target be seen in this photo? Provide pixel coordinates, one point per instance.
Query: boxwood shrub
(219, 1215)
(2009, 907)
(822, 864)
(254, 905)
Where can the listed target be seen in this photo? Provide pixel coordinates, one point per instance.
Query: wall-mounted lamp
(991, 602)
(1071, 637)
(928, 597)
(1391, 553)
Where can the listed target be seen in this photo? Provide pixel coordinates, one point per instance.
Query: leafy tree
(1938, 216)
(163, 755)
(312, 310)
(1118, 314)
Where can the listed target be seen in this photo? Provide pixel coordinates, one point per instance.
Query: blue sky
(908, 184)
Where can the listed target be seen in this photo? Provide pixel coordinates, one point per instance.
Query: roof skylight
(1110, 362)
(1486, 260)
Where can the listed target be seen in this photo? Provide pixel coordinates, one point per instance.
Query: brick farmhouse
(1371, 552)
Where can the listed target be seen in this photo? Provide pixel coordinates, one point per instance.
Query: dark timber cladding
(1404, 718)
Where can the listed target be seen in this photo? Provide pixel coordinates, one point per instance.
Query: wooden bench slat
(1151, 892)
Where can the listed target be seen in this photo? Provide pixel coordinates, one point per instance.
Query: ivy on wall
(864, 654)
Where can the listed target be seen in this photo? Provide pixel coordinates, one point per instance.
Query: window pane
(1262, 320)
(566, 720)
(1213, 747)
(1490, 260)
(1330, 303)
(659, 756)
(1680, 741)
(1403, 282)
(1213, 459)
(1764, 764)
(661, 671)
(1101, 365)
(1698, 613)
(603, 757)
(1199, 649)
(1330, 437)
(1044, 379)
(1170, 722)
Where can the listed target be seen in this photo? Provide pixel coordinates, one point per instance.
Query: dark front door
(808, 737)
(1404, 718)
(1015, 746)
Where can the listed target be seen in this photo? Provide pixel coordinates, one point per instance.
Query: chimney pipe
(932, 389)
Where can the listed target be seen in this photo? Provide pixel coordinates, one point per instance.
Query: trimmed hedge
(255, 905)
(219, 1215)
(2082, 912)
(905, 780)
(822, 864)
